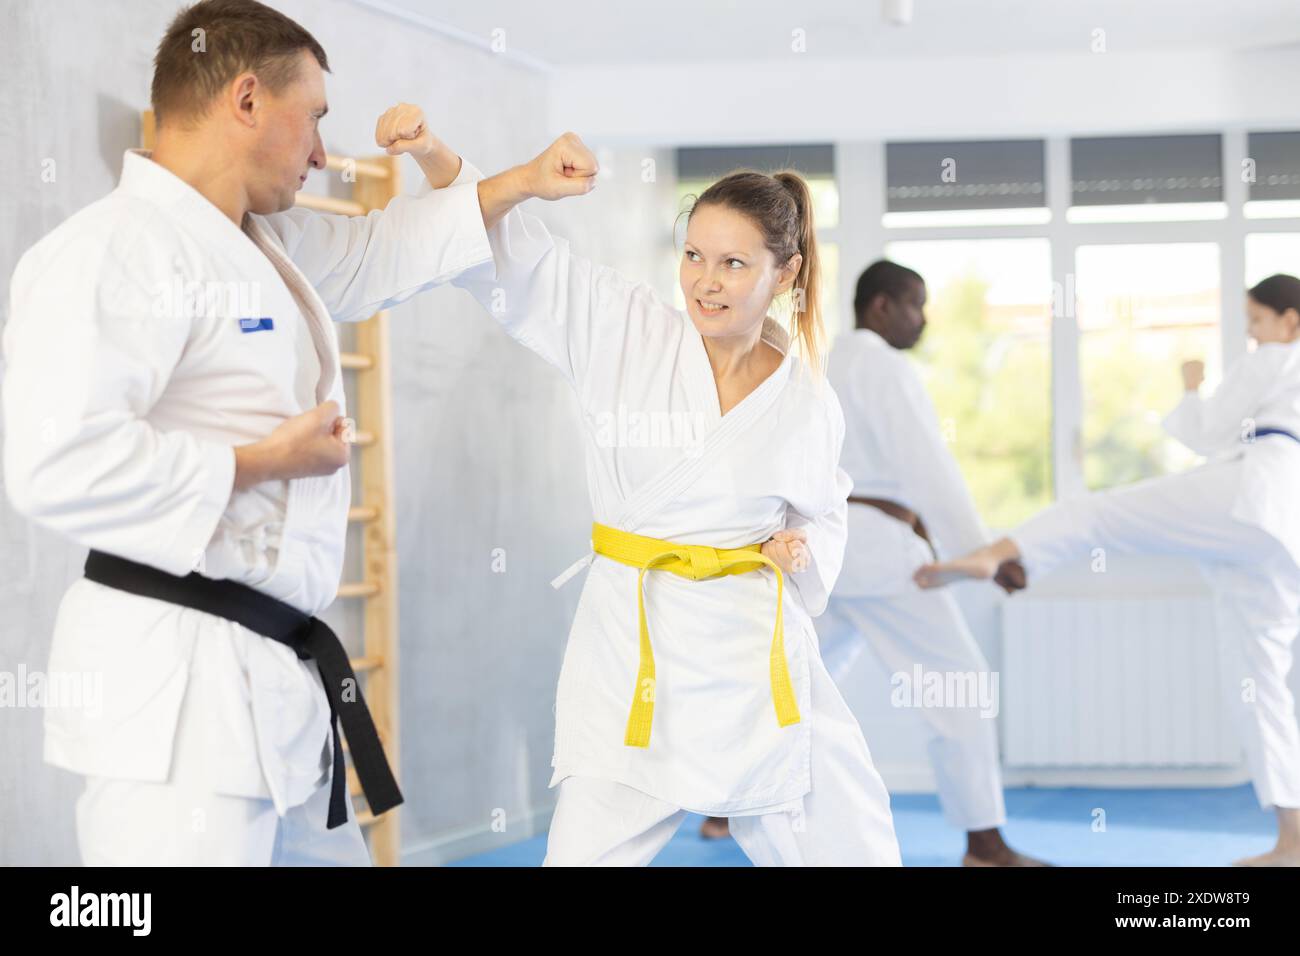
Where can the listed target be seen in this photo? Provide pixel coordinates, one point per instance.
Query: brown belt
(895, 510)
(1010, 575)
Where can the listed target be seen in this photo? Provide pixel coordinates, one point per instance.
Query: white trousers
(183, 822)
(1256, 584)
(926, 629)
(843, 821)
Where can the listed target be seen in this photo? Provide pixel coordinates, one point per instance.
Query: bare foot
(987, 848)
(715, 828)
(979, 565)
(1009, 858)
(1274, 857)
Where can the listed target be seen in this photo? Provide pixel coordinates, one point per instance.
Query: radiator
(1113, 682)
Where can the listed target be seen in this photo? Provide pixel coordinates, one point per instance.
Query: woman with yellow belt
(692, 679)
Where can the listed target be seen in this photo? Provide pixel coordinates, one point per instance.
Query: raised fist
(566, 168)
(401, 129)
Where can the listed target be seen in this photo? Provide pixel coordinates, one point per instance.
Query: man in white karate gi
(173, 401)
(909, 500)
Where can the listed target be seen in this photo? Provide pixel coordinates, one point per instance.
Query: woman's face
(1264, 325)
(728, 274)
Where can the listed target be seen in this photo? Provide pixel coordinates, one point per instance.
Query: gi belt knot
(696, 562)
(703, 561)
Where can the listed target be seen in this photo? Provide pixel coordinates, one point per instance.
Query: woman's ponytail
(807, 290)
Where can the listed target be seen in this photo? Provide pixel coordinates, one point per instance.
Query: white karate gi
(894, 449)
(1238, 516)
(122, 405)
(662, 461)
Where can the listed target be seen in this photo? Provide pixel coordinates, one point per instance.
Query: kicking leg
(1176, 514)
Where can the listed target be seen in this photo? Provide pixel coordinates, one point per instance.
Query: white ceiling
(586, 32)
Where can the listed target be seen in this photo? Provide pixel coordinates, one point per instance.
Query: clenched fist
(315, 443)
(566, 168)
(789, 549)
(1010, 576)
(401, 129)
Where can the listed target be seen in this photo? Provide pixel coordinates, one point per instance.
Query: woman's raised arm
(562, 306)
(1214, 423)
(566, 168)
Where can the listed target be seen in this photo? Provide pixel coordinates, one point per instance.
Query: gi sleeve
(565, 308)
(87, 357)
(933, 482)
(361, 264)
(827, 528)
(1210, 425)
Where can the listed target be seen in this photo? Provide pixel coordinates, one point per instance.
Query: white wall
(811, 98)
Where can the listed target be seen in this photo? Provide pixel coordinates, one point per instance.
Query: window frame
(861, 235)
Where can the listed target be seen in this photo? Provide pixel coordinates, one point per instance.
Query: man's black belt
(310, 638)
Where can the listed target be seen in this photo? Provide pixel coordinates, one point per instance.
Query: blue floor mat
(1205, 827)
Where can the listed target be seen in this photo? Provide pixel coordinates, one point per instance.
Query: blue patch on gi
(256, 325)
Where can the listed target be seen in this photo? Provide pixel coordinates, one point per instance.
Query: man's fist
(1193, 374)
(566, 168)
(313, 443)
(1010, 576)
(317, 442)
(402, 130)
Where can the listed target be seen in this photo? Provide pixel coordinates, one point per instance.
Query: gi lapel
(652, 496)
(193, 212)
(313, 309)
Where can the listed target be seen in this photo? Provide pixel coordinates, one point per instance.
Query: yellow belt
(694, 561)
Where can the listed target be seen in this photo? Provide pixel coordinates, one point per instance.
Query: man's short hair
(210, 43)
(881, 276)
